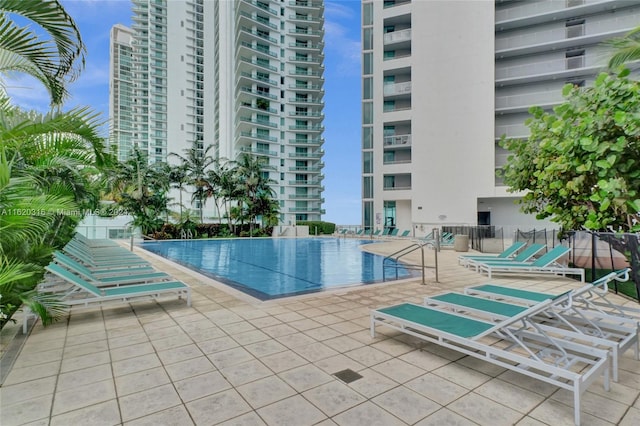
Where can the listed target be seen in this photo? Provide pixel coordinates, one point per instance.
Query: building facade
(242, 76)
(443, 81)
(121, 89)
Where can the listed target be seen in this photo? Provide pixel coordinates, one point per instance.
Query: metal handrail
(405, 251)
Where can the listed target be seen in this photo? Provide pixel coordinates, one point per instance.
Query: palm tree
(55, 57)
(178, 177)
(627, 49)
(197, 161)
(249, 171)
(141, 189)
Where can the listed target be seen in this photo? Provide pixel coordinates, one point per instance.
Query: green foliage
(324, 228)
(580, 167)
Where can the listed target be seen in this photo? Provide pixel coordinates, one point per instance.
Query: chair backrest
(551, 256)
(512, 249)
(70, 263)
(394, 232)
(405, 233)
(73, 278)
(528, 253)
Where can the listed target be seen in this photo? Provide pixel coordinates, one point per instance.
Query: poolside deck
(234, 361)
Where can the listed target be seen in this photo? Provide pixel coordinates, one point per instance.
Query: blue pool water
(270, 268)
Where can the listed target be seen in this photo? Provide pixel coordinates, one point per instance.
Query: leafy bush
(324, 228)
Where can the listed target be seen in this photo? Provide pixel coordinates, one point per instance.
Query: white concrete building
(443, 80)
(121, 90)
(245, 76)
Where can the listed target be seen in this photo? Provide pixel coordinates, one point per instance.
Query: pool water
(268, 268)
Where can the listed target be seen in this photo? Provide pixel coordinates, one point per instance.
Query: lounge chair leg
(372, 327)
(576, 404)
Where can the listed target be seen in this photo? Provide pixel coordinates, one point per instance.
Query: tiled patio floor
(228, 360)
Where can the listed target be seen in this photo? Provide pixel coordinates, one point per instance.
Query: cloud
(342, 37)
(27, 92)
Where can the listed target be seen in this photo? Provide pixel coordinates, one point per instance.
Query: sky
(342, 169)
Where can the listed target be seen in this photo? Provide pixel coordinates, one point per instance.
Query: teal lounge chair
(394, 232)
(102, 280)
(506, 254)
(85, 293)
(545, 264)
(524, 256)
(596, 334)
(375, 234)
(405, 233)
(565, 364)
(113, 261)
(94, 242)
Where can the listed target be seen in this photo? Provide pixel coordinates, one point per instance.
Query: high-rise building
(121, 90)
(443, 80)
(244, 76)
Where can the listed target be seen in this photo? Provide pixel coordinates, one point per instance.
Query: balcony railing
(260, 151)
(314, 141)
(257, 34)
(257, 49)
(258, 136)
(396, 140)
(397, 89)
(260, 122)
(306, 210)
(262, 6)
(259, 64)
(309, 128)
(258, 93)
(306, 100)
(396, 188)
(397, 36)
(306, 154)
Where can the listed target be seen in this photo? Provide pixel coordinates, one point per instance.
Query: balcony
(305, 155)
(312, 196)
(305, 32)
(397, 140)
(393, 3)
(306, 142)
(307, 128)
(307, 169)
(309, 114)
(306, 18)
(258, 93)
(247, 34)
(259, 5)
(265, 123)
(258, 50)
(255, 78)
(255, 19)
(305, 87)
(306, 4)
(522, 102)
(306, 101)
(256, 63)
(311, 182)
(397, 89)
(251, 135)
(306, 46)
(305, 73)
(257, 151)
(562, 68)
(313, 60)
(306, 210)
(394, 37)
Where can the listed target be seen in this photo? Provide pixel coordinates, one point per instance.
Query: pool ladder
(405, 251)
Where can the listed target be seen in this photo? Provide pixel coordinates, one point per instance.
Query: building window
(367, 137)
(389, 106)
(367, 113)
(367, 162)
(367, 187)
(367, 39)
(575, 59)
(367, 63)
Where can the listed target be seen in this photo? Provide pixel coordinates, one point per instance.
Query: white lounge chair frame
(544, 353)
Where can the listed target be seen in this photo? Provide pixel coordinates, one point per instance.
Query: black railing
(479, 235)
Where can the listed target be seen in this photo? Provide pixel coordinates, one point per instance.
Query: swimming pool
(269, 268)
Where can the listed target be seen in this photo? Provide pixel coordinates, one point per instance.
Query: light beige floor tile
(26, 411)
(133, 365)
(217, 408)
(510, 395)
(249, 337)
(554, 413)
(131, 339)
(368, 356)
(84, 349)
(282, 361)
(367, 414)
(141, 381)
(230, 357)
(463, 376)
(484, 411)
(189, 368)
(84, 361)
(83, 396)
(217, 345)
(147, 402)
(482, 366)
(346, 327)
(171, 342)
(86, 338)
(279, 330)
(295, 340)
(14, 394)
(182, 353)
(436, 388)
(73, 379)
(264, 322)
(265, 391)
(399, 370)
(305, 377)
(445, 417)
(338, 363)
(19, 375)
(304, 324)
(322, 333)
(406, 404)
(372, 383)
(200, 386)
(222, 316)
(237, 327)
(632, 417)
(131, 351)
(343, 343)
(239, 374)
(249, 419)
(293, 411)
(264, 348)
(177, 415)
(529, 383)
(28, 359)
(393, 347)
(596, 405)
(315, 351)
(103, 414)
(333, 397)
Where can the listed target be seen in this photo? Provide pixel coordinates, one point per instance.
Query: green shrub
(324, 228)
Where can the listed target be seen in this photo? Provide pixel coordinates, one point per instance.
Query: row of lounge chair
(386, 232)
(95, 272)
(568, 340)
(519, 258)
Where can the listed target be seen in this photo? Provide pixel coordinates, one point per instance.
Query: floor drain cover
(347, 375)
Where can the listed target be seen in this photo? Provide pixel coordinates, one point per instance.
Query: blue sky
(342, 91)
